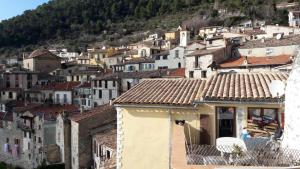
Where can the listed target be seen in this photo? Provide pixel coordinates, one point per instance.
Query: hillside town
(223, 96)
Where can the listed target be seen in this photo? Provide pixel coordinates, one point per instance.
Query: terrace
(253, 152)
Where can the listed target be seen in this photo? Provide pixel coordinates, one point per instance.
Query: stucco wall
(262, 52)
(145, 134)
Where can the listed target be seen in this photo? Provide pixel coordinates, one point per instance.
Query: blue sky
(10, 8)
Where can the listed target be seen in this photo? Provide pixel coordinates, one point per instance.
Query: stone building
(42, 60)
(81, 139)
(104, 147)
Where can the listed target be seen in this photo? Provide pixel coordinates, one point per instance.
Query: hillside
(77, 23)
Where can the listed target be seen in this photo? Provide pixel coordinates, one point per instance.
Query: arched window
(179, 65)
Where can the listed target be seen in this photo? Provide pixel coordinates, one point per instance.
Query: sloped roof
(272, 42)
(163, 91)
(202, 52)
(108, 114)
(135, 75)
(241, 86)
(257, 61)
(41, 52)
(252, 87)
(65, 86)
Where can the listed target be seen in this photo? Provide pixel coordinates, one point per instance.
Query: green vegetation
(6, 166)
(77, 23)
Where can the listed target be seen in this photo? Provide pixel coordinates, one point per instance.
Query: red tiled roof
(180, 72)
(241, 86)
(254, 32)
(163, 91)
(51, 112)
(40, 52)
(65, 86)
(257, 61)
(201, 52)
(104, 110)
(220, 87)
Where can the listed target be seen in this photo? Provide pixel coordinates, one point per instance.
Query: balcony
(258, 153)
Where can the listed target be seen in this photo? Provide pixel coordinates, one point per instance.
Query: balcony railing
(258, 153)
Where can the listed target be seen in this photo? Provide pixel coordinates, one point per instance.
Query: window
(95, 147)
(114, 83)
(100, 153)
(57, 98)
(17, 141)
(100, 83)
(108, 154)
(105, 84)
(10, 95)
(157, 57)
(210, 42)
(8, 84)
(29, 76)
(28, 146)
(179, 65)
(191, 74)
(95, 83)
(128, 85)
(58, 136)
(165, 57)
(263, 114)
(7, 140)
(65, 98)
(110, 94)
(176, 53)
(94, 92)
(100, 94)
(40, 140)
(203, 74)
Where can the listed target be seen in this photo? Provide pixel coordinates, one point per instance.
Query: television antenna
(276, 88)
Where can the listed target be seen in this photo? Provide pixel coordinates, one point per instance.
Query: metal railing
(258, 153)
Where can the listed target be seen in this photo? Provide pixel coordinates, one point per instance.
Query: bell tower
(184, 37)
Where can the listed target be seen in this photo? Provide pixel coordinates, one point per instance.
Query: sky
(10, 8)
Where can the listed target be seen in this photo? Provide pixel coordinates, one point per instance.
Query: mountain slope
(79, 22)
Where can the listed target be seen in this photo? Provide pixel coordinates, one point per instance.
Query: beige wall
(144, 134)
(262, 52)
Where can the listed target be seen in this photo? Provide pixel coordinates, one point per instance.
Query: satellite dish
(276, 88)
(279, 36)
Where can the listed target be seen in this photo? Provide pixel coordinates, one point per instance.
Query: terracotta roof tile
(40, 52)
(66, 86)
(241, 86)
(202, 52)
(163, 91)
(257, 61)
(108, 112)
(272, 42)
(180, 72)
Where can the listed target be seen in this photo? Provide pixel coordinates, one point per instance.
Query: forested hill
(70, 18)
(63, 20)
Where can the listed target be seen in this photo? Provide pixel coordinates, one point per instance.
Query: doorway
(205, 130)
(225, 122)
